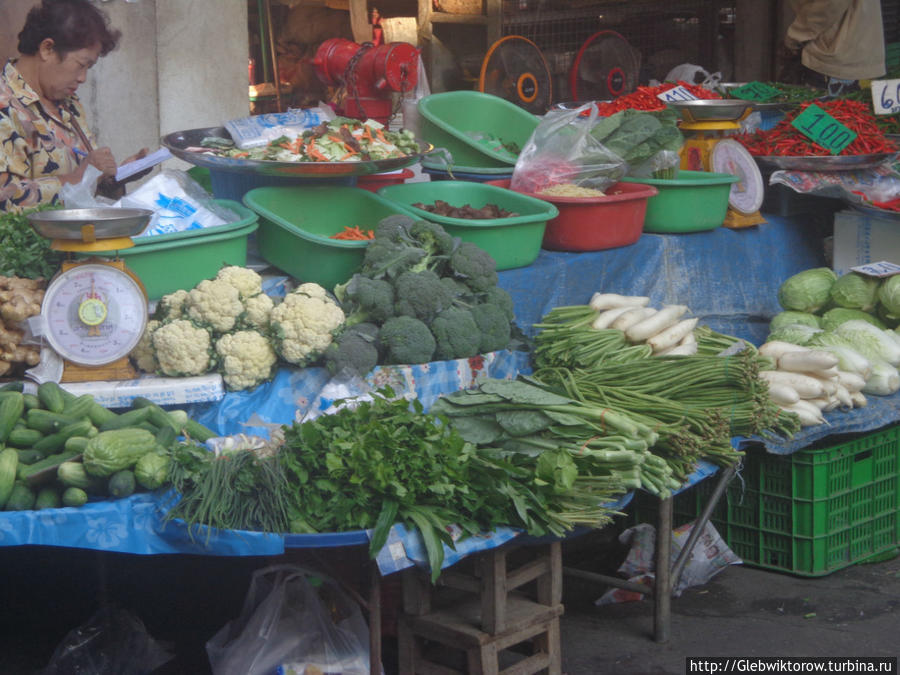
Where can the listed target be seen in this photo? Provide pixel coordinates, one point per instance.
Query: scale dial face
(94, 314)
(729, 156)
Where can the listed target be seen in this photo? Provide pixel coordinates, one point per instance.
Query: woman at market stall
(832, 44)
(44, 138)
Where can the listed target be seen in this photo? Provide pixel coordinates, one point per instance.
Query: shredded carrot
(241, 154)
(349, 154)
(354, 233)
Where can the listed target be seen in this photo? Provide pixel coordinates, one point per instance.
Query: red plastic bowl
(375, 181)
(596, 223)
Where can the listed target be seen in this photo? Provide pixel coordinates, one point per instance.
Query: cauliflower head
(142, 355)
(246, 359)
(258, 311)
(247, 282)
(172, 306)
(182, 349)
(216, 304)
(304, 322)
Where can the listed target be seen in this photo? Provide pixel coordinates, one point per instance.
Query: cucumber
(48, 497)
(76, 443)
(121, 484)
(45, 421)
(166, 436)
(9, 462)
(73, 496)
(79, 407)
(23, 437)
(51, 396)
(161, 418)
(198, 432)
(29, 456)
(31, 401)
(11, 408)
(72, 474)
(18, 386)
(53, 442)
(99, 414)
(21, 498)
(126, 419)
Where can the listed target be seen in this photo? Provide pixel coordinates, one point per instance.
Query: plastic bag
(179, 203)
(563, 150)
(293, 622)
(688, 72)
(258, 130)
(82, 195)
(113, 642)
(709, 556)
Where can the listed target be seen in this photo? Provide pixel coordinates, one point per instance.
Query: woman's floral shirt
(35, 145)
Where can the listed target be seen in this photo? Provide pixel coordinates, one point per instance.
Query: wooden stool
(480, 613)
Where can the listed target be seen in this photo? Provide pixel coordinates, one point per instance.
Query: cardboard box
(863, 238)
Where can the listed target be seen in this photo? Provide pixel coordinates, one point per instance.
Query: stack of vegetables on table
(846, 325)
(420, 295)
(61, 449)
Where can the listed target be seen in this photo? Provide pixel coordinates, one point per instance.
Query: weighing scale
(95, 309)
(710, 149)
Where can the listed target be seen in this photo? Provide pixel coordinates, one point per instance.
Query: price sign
(822, 129)
(678, 93)
(886, 97)
(878, 269)
(755, 91)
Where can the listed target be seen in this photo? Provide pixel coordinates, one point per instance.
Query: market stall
(477, 302)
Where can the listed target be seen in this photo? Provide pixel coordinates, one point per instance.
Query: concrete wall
(180, 64)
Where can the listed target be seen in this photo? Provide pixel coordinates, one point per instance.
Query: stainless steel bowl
(108, 222)
(712, 110)
(825, 162)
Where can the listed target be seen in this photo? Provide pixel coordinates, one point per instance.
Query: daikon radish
(809, 360)
(782, 394)
(671, 336)
(851, 381)
(829, 384)
(821, 403)
(843, 396)
(859, 399)
(601, 301)
(606, 317)
(658, 322)
(689, 339)
(805, 385)
(776, 348)
(809, 414)
(632, 316)
(680, 350)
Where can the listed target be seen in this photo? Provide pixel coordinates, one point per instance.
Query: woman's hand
(140, 154)
(103, 159)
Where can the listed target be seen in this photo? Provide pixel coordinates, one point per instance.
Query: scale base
(121, 369)
(736, 220)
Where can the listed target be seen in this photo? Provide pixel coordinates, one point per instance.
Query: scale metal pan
(108, 222)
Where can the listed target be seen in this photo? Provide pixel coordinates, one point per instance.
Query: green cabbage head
(835, 317)
(787, 317)
(855, 291)
(807, 291)
(889, 295)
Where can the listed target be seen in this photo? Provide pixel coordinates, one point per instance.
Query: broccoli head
(474, 266)
(493, 327)
(393, 228)
(421, 294)
(432, 237)
(406, 340)
(366, 299)
(354, 350)
(498, 296)
(456, 334)
(388, 257)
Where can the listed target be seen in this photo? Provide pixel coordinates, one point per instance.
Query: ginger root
(20, 298)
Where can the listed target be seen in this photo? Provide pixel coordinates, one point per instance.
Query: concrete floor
(741, 612)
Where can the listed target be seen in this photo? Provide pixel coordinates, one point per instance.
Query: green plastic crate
(296, 224)
(166, 263)
(809, 513)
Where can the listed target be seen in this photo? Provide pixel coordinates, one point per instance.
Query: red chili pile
(645, 98)
(784, 140)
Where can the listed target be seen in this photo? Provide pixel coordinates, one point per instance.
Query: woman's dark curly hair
(71, 24)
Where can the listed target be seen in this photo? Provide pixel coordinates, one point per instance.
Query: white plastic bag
(294, 621)
(82, 195)
(258, 130)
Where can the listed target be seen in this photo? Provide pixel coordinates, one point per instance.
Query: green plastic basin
(512, 242)
(296, 224)
(456, 120)
(166, 263)
(693, 202)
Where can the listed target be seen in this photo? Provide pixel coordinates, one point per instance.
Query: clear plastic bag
(562, 150)
(113, 642)
(293, 621)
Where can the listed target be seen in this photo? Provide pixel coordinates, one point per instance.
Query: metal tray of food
(107, 222)
(824, 162)
(180, 142)
(783, 106)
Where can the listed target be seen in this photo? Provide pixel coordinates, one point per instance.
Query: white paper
(138, 165)
(886, 97)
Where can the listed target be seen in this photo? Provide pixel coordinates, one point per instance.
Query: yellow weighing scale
(708, 148)
(95, 309)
